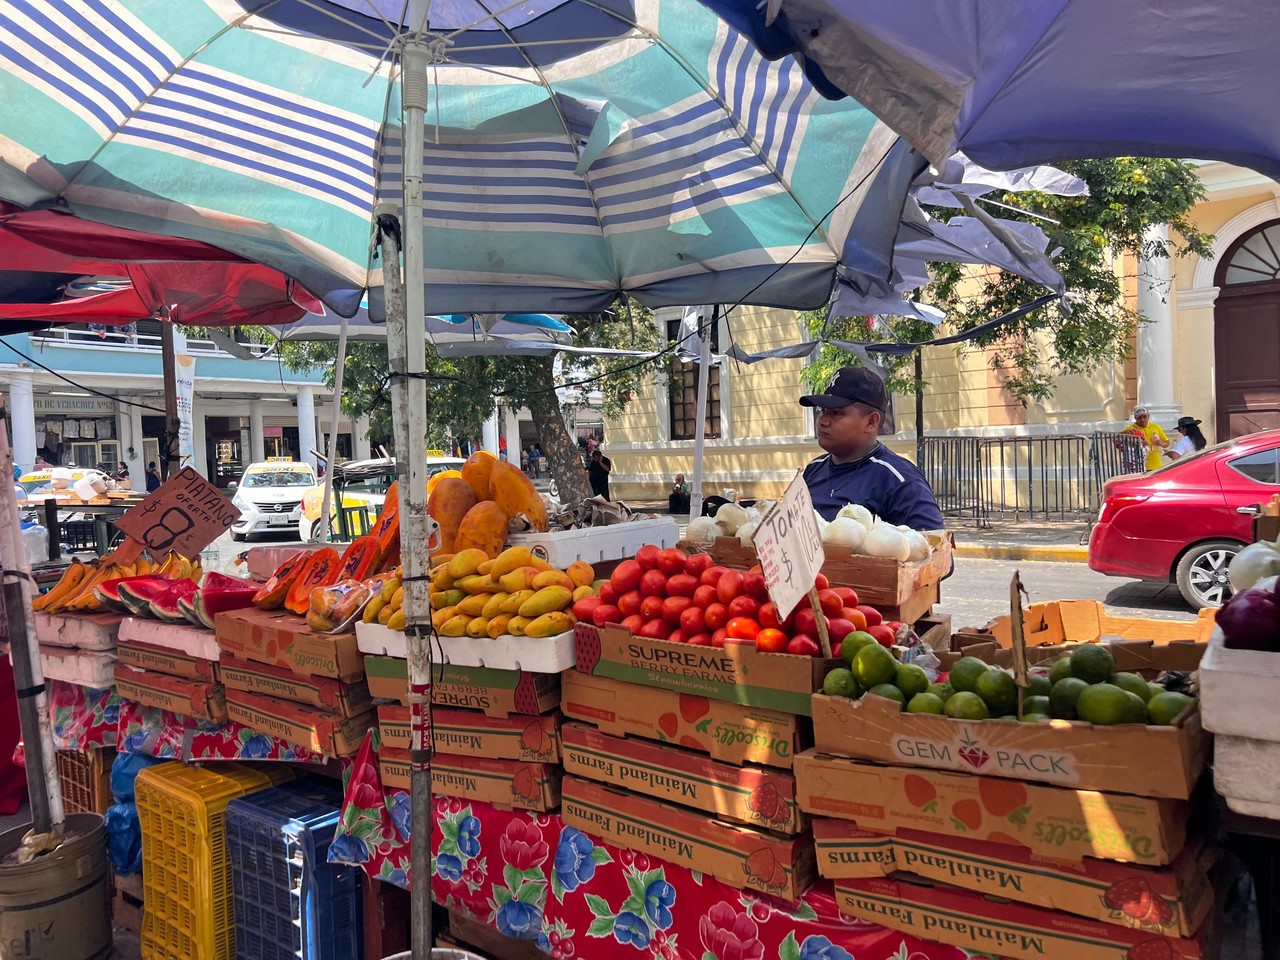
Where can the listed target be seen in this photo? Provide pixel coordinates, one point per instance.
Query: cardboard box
(201, 699)
(739, 856)
(1172, 901)
(752, 795)
(1086, 621)
(1050, 821)
(179, 637)
(143, 656)
(332, 696)
(508, 784)
(497, 693)
(282, 639)
(1125, 758)
(934, 631)
(326, 733)
(728, 731)
(738, 673)
(1147, 657)
(969, 920)
(469, 732)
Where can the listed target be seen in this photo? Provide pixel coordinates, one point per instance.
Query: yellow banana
(66, 583)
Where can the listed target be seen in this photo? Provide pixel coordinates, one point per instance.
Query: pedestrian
(1190, 441)
(122, 475)
(678, 498)
(598, 473)
(153, 477)
(525, 459)
(1152, 434)
(538, 460)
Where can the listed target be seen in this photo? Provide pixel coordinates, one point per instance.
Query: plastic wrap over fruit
(334, 609)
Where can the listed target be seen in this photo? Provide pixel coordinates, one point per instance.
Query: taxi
(269, 497)
(361, 485)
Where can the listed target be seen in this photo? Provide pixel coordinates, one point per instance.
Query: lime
(925, 703)
(911, 679)
(1034, 717)
(943, 691)
(1060, 670)
(1036, 704)
(873, 665)
(966, 706)
(1134, 684)
(840, 683)
(853, 643)
(888, 691)
(1156, 689)
(998, 691)
(1038, 685)
(1106, 704)
(965, 674)
(1092, 663)
(1063, 697)
(1164, 707)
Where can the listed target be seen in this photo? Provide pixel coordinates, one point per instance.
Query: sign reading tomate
(789, 546)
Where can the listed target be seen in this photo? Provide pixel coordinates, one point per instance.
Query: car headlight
(240, 503)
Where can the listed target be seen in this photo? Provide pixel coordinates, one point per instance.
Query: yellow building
(1211, 350)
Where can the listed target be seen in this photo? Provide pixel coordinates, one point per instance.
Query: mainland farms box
(201, 699)
(1171, 901)
(1087, 621)
(333, 696)
(1050, 821)
(752, 795)
(326, 733)
(143, 656)
(737, 672)
(739, 856)
(470, 732)
(1013, 930)
(729, 732)
(281, 639)
(509, 784)
(497, 693)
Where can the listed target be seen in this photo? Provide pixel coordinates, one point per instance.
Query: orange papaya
(515, 494)
(435, 478)
(361, 559)
(476, 472)
(483, 528)
(447, 505)
(320, 571)
(271, 595)
(387, 525)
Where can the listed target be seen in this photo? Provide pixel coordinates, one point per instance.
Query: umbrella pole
(700, 436)
(331, 447)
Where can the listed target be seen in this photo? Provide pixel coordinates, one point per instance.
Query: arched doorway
(1246, 334)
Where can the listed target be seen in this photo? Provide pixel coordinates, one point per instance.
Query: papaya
(360, 559)
(483, 528)
(515, 493)
(447, 505)
(434, 480)
(386, 529)
(321, 571)
(476, 472)
(272, 594)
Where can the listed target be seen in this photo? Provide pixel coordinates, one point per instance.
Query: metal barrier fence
(1052, 478)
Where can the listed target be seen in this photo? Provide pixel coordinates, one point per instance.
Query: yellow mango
(473, 606)
(550, 624)
(389, 588)
(498, 625)
(520, 578)
(516, 625)
(583, 592)
(474, 584)
(553, 578)
(581, 573)
(513, 603)
(385, 613)
(539, 564)
(466, 562)
(440, 617)
(478, 627)
(512, 558)
(396, 621)
(372, 609)
(446, 598)
(494, 605)
(441, 578)
(485, 568)
(455, 626)
(546, 600)
(397, 599)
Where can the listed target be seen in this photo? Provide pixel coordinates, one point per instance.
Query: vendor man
(857, 467)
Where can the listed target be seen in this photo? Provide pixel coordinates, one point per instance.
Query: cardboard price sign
(184, 515)
(790, 547)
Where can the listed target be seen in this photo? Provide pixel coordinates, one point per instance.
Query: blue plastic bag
(124, 770)
(124, 838)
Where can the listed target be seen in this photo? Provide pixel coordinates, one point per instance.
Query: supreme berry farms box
(469, 732)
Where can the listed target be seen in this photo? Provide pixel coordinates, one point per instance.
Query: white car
(360, 484)
(269, 497)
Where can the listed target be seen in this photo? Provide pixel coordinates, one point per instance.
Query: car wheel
(239, 537)
(1202, 573)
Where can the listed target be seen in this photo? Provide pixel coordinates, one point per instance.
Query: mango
(466, 562)
(396, 620)
(552, 578)
(319, 622)
(474, 605)
(498, 625)
(441, 578)
(372, 609)
(485, 568)
(389, 588)
(455, 626)
(583, 592)
(546, 600)
(474, 583)
(446, 598)
(520, 578)
(478, 627)
(516, 625)
(440, 617)
(581, 573)
(512, 558)
(493, 606)
(385, 614)
(550, 624)
(397, 599)
(513, 603)
(539, 564)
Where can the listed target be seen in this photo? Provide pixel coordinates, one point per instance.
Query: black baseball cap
(851, 385)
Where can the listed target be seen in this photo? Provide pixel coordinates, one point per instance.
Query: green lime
(1060, 670)
(925, 703)
(840, 683)
(854, 642)
(1134, 684)
(873, 665)
(911, 679)
(888, 691)
(1038, 685)
(1036, 704)
(943, 691)
(965, 674)
(998, 691)
(1063, 697)
(1106, 704)
(1156, 689)
(1165, 707)
(1034, 717)
(966, 706)
(1093, 663)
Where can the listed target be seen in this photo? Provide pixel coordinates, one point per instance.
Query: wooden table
(102, 515)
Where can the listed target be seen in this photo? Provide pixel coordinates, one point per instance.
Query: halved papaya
(320, 571)
(272, 594)
(361, 559)
(387, 527)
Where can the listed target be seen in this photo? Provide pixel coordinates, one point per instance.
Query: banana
(66, 583)
(196, 573)
(84, 599)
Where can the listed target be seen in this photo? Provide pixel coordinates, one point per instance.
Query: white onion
(919, 545)
(731, 516)
(886, 540)
(747, 532)
(764, 506)
(856, 511)
(822, 523)
(702, 530)
(845, 532)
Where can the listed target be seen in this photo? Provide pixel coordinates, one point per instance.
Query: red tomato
(768, 616)
(830, 602)
(753, 586)
(705, 596)
(719, 637)
(656, 630)
(700, 640)
(743, 628)
(693, 621)
(822, 583)
(854, 616)
(677, 636)
(804, 646)
(806, 622)
(872, 615)
(585, 607)
(716, 615)
(697, 564)
(711, 576)
(729, 586)
(894, 625)
(629, 603)
(606, 613)
(744, 607)
(626, 576)
(653, 583)
(847, 594)
(672, 560)
(651, 607)
(884, 636)
(608, 592)
(839, 628)
(770, 640)
(633, 623)
(673, 607)
(681, 585)
(647, 556)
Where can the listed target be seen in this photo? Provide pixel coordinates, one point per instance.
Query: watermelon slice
(220, 581)
(188, 609)
(135, 593)
(164, 606)
(210, 603)
(108, 592)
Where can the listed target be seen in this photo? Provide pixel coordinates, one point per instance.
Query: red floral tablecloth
(533, 877)
(82, 717)
(160, 733)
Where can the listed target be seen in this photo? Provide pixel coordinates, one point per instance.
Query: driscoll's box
(143, 656)
(751, 795)
(498, 693)
(325, 693)
(281, 639)
(1049, 821)
(737, 855)
(509, 784)
(728, 731)
(1172, 901)
(326, 733)
(468, 732)
(202, 699)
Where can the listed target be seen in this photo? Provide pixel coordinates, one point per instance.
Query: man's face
(848, 430)
(1142, 419)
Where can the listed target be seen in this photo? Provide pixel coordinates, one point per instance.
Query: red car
(1185, 521)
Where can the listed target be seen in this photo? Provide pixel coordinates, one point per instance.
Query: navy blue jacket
(883, 482)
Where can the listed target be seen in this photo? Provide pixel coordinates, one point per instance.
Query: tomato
(626, 576)
(743, 628)
(647, 556)
(830, 602)
(716, 615)
(854, 616)
(705, 596)
(633, 623)
(744, 607)
(672, 560)
(656, 630)
(729, 586)
(872, 615)
(693, 621)
(894, 625)
(585, 607)
(806, 621)
(884, 636)
(697, 564)
(651, 607)
(674, 607)
(719, 637)
(771, 640)
(822, 583)
(768, 615)
(711, 576)
(608, 592)
(804, 646)
(839, 628)
(605, 613)
(681, 585)
(653, 583)
(677, 636)
(846, 594)
(629, 603)
(753, 585)
(700, 640)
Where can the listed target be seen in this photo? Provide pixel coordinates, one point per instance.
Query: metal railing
(1052, 478)
(121, 338)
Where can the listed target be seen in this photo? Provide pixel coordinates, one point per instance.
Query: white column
(1156, 388)
(137, 460)
(511, 428)
(360, 447)
(199, 442)
(489, 434)
(22, 409)
(257, 445)
(306, 424)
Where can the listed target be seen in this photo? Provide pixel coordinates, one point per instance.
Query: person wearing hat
(1190, 441)
(1154, 437)
(857, 467)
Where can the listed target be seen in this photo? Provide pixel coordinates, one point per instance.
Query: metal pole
(920, 408)
(331, 448)
(169, 456)
(700, 433)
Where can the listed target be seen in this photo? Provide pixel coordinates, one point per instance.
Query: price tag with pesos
(789, 546)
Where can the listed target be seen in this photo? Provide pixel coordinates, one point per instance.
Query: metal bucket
(59, 905)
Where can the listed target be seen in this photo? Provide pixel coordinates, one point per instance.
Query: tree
(1126, 196)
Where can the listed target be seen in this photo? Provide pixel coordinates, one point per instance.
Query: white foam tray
(95, 631)
(1234, 684)
(533, 655)
(193, 641)
(84, 668)
(1247, 771)
(599, 544)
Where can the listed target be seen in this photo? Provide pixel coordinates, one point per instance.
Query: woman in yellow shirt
(1152, 434)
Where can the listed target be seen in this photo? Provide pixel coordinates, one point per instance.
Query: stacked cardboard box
(172, 667)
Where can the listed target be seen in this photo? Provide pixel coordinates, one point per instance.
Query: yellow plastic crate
(86, 779)
(188, 910)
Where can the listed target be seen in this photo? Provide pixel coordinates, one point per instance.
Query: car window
(1263, 466)
(279, 478)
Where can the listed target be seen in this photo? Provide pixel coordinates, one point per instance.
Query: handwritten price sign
(790, 547)
(184, 515)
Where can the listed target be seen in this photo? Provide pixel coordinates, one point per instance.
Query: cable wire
(78, 386)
